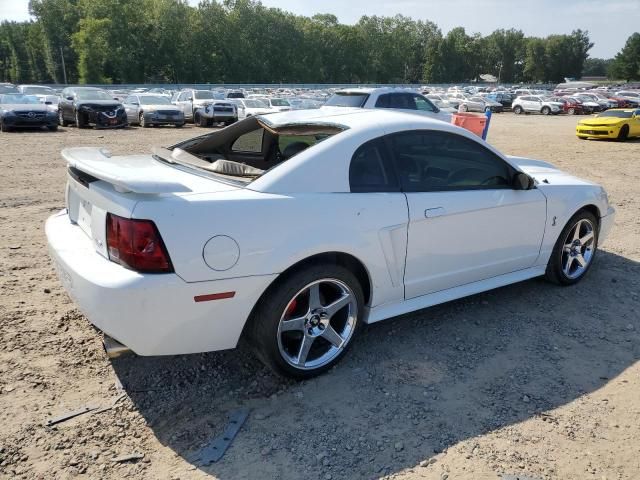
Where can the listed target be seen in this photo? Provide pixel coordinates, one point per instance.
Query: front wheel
(142, 122)
(574, 250)
(517, 109)
(80, 120)
(61, 121)
(624, 133)
(545, 110)
(571, 111)
(305, 324)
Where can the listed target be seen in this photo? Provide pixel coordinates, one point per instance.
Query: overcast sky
(609, 22)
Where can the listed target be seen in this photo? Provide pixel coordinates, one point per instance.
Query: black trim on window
(360, 183)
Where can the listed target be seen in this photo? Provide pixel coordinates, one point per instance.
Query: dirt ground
(532, 379)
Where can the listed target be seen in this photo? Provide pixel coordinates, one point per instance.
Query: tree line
(242, 41)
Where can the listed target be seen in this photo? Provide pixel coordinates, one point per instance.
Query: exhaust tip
(113, 348)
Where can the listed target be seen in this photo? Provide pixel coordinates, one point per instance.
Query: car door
(467, 223)
(185, 104)
(66, 105)
(634, 124)
(131, 107)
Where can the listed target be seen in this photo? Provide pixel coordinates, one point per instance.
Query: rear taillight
(137, 245)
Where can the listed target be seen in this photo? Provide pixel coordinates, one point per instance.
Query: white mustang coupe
(293, 229)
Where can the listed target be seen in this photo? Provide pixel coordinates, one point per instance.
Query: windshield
(278, 102)
(344, 99)
(37, 91)
(154, 100)
(203, 95)
(255, 104)
(93, 95)
(7, 89)
(19, 99)
(616, 113)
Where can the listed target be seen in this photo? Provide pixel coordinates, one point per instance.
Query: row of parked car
(546, 102)
(38, 106)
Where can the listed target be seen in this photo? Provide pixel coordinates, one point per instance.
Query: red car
(570, 106)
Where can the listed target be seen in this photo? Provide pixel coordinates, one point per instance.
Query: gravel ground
(531, 379)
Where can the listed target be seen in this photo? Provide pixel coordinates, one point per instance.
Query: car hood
(31, 107)
(602, 121)
(546, 173)
(162, 106)
(102, 103)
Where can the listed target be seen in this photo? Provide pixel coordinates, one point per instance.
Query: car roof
(350, 118)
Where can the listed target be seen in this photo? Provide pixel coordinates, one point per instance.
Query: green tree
(626, 64)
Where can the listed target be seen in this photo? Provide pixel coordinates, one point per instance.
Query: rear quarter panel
(275, 231)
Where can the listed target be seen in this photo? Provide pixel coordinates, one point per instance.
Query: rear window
(249, 142)
(345, 99)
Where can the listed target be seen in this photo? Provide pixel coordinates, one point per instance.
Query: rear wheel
(143, 123)
(305, 324)
(624, 133)
(575, 250)
(517, 110)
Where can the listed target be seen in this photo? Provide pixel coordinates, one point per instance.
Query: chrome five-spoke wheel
(578, 249)
(308, 319)
(574, 250)
(317, 323)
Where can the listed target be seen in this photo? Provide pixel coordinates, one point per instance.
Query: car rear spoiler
(133, 173)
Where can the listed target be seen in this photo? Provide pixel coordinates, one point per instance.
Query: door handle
(434, 212)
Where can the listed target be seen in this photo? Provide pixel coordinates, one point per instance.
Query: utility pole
(64, 70)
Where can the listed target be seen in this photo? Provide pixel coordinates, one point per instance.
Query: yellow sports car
(617, 123)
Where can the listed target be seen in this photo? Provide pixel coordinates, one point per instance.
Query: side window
(431, 161)
(403, 101)
(370, 170)
(250, 142)
(383, 101)
(130, 100)
(423, 104)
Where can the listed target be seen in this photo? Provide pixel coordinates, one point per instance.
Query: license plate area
(79, 210)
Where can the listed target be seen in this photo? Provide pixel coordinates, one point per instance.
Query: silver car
(147, 110)
(190, 100)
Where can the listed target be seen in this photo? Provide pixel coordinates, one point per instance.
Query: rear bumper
(152, 314)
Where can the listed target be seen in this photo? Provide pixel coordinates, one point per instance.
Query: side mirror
(190, 99)
(522, 181)
(70, 99)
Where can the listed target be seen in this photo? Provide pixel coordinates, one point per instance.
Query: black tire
(545, 110)
(142, 122)
(4, 127)
(262, 331)
(61, 121)
(571, 111)
(80, 120)
(624, 133)
(517, 110)
(53, 128)
(201, 121)
(555, 272)
(179, 125)
(487, 109)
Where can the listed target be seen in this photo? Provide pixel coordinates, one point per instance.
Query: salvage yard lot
(530, 379)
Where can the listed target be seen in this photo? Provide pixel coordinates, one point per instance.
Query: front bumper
(587, 131)
(606, 224)
(152, 314)
(15, 121)
(154, 118)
